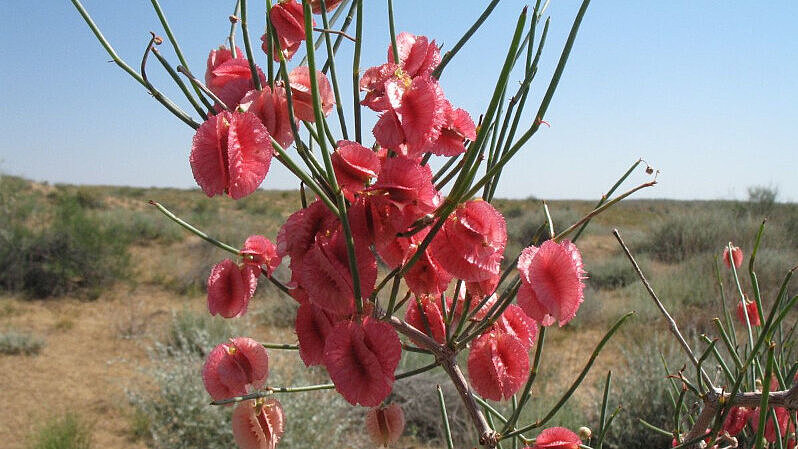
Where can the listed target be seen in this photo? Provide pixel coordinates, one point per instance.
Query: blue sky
(705, 91)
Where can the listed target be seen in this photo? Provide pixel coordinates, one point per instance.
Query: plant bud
(584, 433)
(385, 424)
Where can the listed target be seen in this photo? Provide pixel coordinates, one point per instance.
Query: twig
(671, 322)
(324, 30)
(194, 80)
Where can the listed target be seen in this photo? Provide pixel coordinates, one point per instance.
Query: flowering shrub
(380, 201)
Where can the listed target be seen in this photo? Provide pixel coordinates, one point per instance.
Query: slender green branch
(162, 17)
(763, 405)
(530, 380)
(282, 346)
(291, 165)
(447, 57)
(576, 382)
(333, 75)
(605, 197)
(392, 28)
(347, 21)
(232, 36)
(179, 81)
(248, 47)
(194, 80)
(544, 105)
(603, 416)
(445, 418)
(194, 230)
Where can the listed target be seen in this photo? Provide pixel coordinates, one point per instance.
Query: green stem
(576, 382)
(232, 36)
(604, 404)
(603, 432)
(166, 102)
(269, 43)
(179, 81)
(347, 21)
(356, 71)
(295, 169)
(392, 28)
(333, 77)
(445, 418)
(470, 32)
(724, 367)
(194, 230)
(320, 125)
(533, 373)
(599, 210)
(162, 17)
(196, 82)
(732, 350)
(494, 181)
(763, 405)
(248, 47)
(317, 44)
(470, 156)
(726, 314)
(544, 105)
(268, 391)
(606, 196)
(281, 346)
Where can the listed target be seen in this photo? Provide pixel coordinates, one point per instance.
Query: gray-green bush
(13, 342)
(176, 414)
(641, 390)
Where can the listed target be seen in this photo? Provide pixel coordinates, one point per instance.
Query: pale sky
(705, 91)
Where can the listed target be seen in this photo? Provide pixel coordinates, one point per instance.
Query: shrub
(278, 310)
(143, 227)
(762, 198)
(419, 401)
(614, 272)
(66, 432)
(73, 253)
(683, 235)
(176, 415)
(13, 342)
(196, 333)
(643, 396)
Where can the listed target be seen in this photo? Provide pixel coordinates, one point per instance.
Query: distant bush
(73, 252)
(419, 400)
(176, 414)
(762, 198)
(66, 432)
(641, 389)
(13, 342)
(613, 272)
(198, 333)
(185, 271)
(681, 236)
(143, 227)
(277, 310)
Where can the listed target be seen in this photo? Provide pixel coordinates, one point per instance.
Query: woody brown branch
(446, 356)
(712, 403)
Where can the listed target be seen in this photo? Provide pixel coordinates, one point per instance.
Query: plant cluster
(447, 289)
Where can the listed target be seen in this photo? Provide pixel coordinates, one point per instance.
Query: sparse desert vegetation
(106, 295)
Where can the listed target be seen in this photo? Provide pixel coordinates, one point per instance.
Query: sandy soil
(93, 351)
